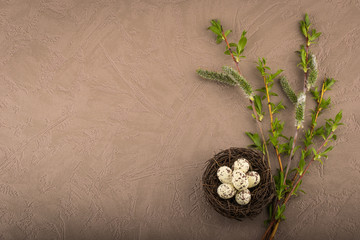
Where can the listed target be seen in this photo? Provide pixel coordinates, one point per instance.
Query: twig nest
(241, 164)
(226, 191)
(253, 178)
(224, 174)
(243, 197)
(261, 194)
(240, 180)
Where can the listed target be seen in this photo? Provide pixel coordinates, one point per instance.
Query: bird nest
(261, 195)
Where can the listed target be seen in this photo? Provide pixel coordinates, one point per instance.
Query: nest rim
(261, 195)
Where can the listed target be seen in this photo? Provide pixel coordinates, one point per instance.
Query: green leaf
(280, 187)
(242, 43)
(287, 146)
(277, 108)
(215, 30)
(280, 213)
(216, 23)
(303, 29)
(295, 149)
(328, 149)
(307, 20)
(232, 44)
(258, 106)
(328, 83)
(319, 131)
(270, 209)
(308, 138)
(227, 32)
(274, 141)
(261, 70)
(302, 162)
(338, 117)
(256, 140)
(263, 90)
(317, 157)
(243, 34)
(227, 52)
(276, 74)
(302, 53)
(314, 151)
(325, 103)
(315, 93)
(314, 35)
(328, 127)
(296, 188)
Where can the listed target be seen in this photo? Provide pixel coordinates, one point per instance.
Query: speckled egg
(253, 178)
(241, 164)
(240, 180)
(226, 191)
(243, 197)
(224, 174)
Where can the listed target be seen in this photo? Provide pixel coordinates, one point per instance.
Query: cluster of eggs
(237, 181)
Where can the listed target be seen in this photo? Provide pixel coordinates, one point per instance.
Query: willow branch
(251, 101)
(297, 128)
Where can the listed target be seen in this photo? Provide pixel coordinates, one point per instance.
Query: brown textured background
(105, 127)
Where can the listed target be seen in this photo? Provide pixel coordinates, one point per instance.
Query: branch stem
(265, 236)
(231, 53)
(261, 132)
(291, 154)
(274, 230)
(271, 123)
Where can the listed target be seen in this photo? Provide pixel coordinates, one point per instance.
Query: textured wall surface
(105, 126)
